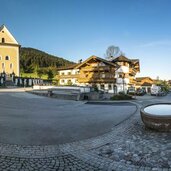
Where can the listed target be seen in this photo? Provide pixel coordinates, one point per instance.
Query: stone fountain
(157, 116)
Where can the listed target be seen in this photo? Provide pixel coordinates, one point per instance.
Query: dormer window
(7, 58)
(3, 40)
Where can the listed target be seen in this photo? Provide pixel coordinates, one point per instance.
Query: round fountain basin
(157, 116)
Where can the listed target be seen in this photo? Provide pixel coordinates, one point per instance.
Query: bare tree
(112, 52)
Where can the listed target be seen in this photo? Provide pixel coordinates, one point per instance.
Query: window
(69, 82)
(101, 64)
(110, 87)
(11, 66)
(3, 40)
(3, 66)
(62, 81)
(94, 64)
(69, 73)
(102, 75)
(7, 58)
(120, 75)
(102, 86)
(62, 73)
(0, 57)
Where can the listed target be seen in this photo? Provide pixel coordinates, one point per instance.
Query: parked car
(161, 93)
(131, 91)
(140, 92)
(155, 90)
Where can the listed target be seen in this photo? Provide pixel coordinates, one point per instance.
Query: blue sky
(77, 29)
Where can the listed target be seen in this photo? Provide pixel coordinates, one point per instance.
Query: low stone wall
(42, 87)
(68, 93)
(76, 88)
(91, 96)
(67, 96)
(54, 94)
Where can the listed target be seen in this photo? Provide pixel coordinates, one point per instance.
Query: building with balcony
(9, 52)
(111, 76)
(145, 83)
(68, 75)
(97, 72)
(125, 74)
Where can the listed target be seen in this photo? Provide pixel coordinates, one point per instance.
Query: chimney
(80, 61)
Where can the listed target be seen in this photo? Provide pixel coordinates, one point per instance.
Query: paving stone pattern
(64, 162)
(129, 146)
(139, 147)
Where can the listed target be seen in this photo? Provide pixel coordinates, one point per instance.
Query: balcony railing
(68, 76)
(121, 80)
(96, 80)
(99, 68)
(132, 71)
(132, 81)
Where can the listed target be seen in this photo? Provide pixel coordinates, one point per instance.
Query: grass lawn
(33, 75)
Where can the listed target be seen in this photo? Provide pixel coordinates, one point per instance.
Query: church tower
(9, 53)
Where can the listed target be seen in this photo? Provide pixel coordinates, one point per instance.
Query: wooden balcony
(132, 81)
(67, 76)
(132, 71)
(96, 80)
(99, 68)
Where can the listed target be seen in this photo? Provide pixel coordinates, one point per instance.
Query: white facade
(69, 72)
(121, 81)
(69, 77)
(123, 69)
(107, 87)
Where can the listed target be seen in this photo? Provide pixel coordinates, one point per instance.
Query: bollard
(50, 93)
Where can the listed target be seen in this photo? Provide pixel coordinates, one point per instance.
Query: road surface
(27, 119)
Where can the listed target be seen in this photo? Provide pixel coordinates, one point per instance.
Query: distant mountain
(33, 58)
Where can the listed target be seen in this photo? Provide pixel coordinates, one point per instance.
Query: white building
(69, 75)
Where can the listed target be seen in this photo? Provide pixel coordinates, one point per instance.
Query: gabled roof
(96, 58)
(135, 61)
(4, 28)
(72, 66)
(121, 58)
(142, 78)
(146, 84)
